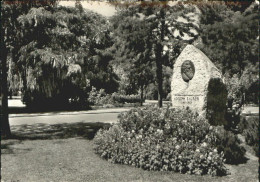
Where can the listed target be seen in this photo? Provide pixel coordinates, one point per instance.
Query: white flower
(133, 131)
(215, 150)
(209, 158)
(159, 131)
(210, 153)
(177, 147)
(201, 156)
(197, 150)
(185, 121)
(167, 126)
(210, 128)
(204, 144)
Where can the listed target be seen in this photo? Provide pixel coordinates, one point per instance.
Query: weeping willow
(56, 56)
(53, 80)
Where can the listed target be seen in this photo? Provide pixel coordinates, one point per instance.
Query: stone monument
(192, 73)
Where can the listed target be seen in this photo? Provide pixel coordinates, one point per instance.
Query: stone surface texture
(194, 92)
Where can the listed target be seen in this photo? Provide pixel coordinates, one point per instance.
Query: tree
(10, 11)
(153, 29)
(63, 52)
(230, 39)
(53, 49)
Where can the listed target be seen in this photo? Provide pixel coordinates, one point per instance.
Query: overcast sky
(100, 7)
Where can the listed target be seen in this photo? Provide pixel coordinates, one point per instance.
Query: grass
(64, 153)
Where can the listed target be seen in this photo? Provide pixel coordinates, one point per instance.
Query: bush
(100, 98)
(166, 140)
(216, 102)
(227, 142)
(126, 98)
(249, 127)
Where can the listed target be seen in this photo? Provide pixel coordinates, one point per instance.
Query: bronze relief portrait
(187, 70)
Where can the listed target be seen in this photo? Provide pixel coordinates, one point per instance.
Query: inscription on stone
(186, 99)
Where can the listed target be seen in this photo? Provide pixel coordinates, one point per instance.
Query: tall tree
(9, 13)
(155, 28)
(230, 39)
(63, 50)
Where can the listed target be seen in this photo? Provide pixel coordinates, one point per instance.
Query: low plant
(249, 127)
(165, 139)
(100, 98)
(126, 98)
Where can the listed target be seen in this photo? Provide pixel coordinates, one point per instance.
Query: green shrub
(249, 127)
(126, 98)
(100, 98)
(216, 102)
(166, 140)
(227, 142)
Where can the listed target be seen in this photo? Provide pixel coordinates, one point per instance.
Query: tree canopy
(148, 33)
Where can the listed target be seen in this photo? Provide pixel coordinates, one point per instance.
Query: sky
(102, 8)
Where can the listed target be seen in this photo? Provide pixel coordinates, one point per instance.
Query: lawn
(64, 153)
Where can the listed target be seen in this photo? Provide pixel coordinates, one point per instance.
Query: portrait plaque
(187, 70)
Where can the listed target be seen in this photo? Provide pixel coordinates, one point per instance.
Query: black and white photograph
(129, 91)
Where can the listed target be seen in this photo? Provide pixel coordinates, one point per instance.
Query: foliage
(126, 98)
(230, 39)
(60, 54)
(168, 140)
(227, 142)
(216, 102)
(101, 98)
(10, 43)
(151, 36)
(249, 127)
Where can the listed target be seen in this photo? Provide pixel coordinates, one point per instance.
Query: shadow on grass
(56, 131)
(16, 110)
(6, 147)
(48, 132)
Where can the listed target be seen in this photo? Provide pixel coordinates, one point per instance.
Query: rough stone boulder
(194, 77)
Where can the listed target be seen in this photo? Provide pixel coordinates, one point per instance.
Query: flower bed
(167, 140)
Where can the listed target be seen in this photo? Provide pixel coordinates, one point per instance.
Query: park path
(108, 115)
(100, 115)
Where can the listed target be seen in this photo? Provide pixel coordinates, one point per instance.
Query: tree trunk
(5, 127)
(159, 51)
(159, 80)
(142, 95)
